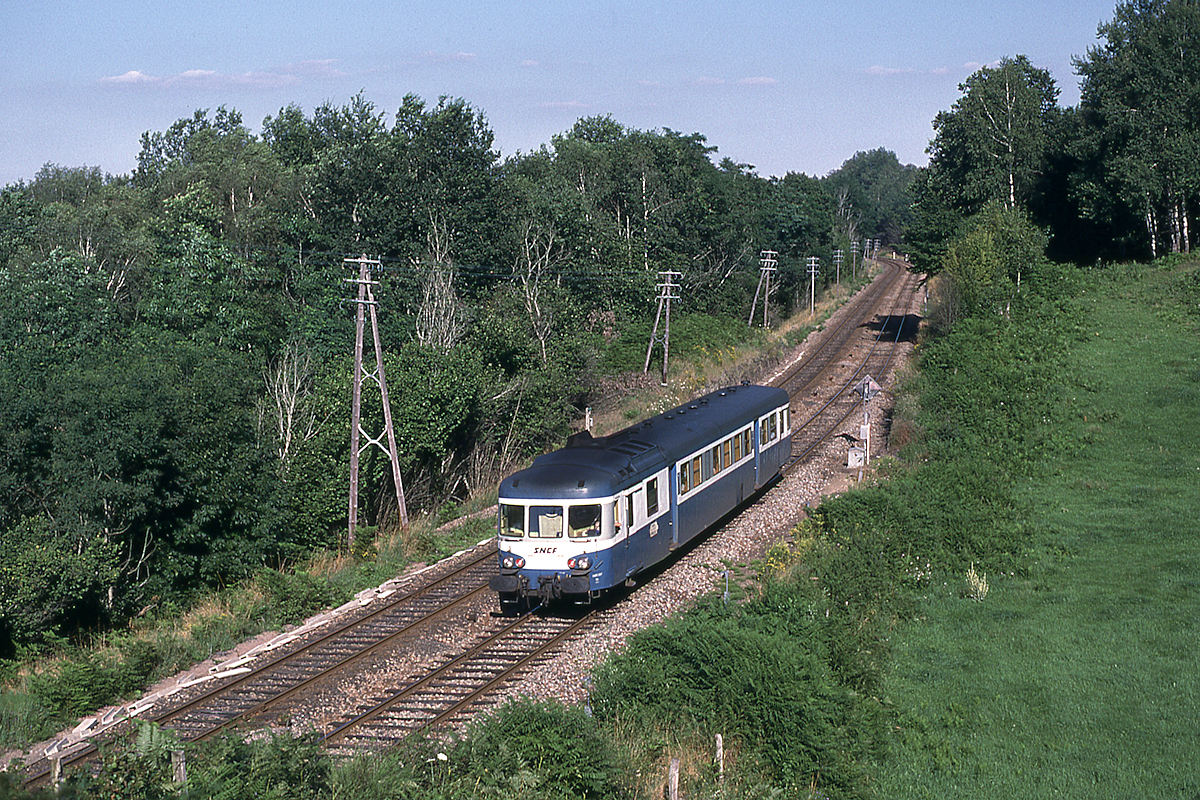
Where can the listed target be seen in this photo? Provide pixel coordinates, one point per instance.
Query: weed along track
(432, 651)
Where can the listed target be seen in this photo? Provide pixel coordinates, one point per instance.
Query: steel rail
(86, 750)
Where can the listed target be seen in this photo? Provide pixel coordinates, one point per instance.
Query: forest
(177, 347)
(176, 342)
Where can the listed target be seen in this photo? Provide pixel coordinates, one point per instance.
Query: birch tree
(993, 142)
(1140, 96)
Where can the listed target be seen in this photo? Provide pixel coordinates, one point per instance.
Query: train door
(673, 499)
(756, 443)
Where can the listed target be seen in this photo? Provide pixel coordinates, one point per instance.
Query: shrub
(760, 673)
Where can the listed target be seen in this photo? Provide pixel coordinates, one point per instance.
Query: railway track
(822, 419)
(334, 650)
(459, 685)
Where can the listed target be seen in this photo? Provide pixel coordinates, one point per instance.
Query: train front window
(545, 522)
(512, 521)
(583, 521)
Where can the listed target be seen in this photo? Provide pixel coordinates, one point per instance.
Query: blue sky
(785, 86)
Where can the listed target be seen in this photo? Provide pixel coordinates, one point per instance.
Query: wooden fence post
(673, 780)
(179, 769)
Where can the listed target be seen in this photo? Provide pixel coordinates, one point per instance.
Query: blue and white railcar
(588, 517)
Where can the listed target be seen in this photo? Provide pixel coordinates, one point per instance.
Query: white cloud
(758, 80)
(133, 76)
(447, 58)
(287, 75)
(889, 71)
(564, 104)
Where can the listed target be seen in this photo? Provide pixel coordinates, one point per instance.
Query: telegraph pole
(813, 261)
(668, 290)
(767, 260)
(853, 258)
(837, 263)
(366, 302)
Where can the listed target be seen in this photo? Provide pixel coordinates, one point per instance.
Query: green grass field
(1079, 674)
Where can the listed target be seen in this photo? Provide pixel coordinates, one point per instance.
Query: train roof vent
(632, 447)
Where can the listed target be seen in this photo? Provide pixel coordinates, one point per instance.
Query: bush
(761, 674)
(290, 597)
(570, 756)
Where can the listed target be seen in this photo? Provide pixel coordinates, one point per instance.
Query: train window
(737, 447)
(772, 429)
(762, 431)
(685, 484)
(583, 521)
(783, 421)
(629, 509)
(746, 436)
(716, 459)
(545, 522)
(651, 497)
(696, 477)
(725, 451)
(512, 521)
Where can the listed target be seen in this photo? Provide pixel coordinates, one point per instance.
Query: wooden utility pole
(366, 302)
(668, 289)
(813, 261)
(767, 260)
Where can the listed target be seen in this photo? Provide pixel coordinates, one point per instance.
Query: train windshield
(583, 521)
(545, 522)
(512, 521)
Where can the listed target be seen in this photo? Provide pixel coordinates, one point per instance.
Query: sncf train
(592, 515)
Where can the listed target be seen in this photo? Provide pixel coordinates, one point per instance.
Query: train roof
(591, 467)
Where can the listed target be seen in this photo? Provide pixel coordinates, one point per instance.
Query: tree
(1140, 101)
(992, 143)
(875, 188)
(984, 266)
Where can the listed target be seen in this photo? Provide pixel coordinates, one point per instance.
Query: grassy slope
(1080, 676)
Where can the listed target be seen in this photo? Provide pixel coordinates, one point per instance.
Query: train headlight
(579, 562)
(512, 562)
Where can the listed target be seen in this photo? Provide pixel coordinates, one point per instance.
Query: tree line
(176, 342)
(1117, 176)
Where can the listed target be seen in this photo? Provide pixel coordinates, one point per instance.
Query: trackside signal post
(867, 388)
(366, 303)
